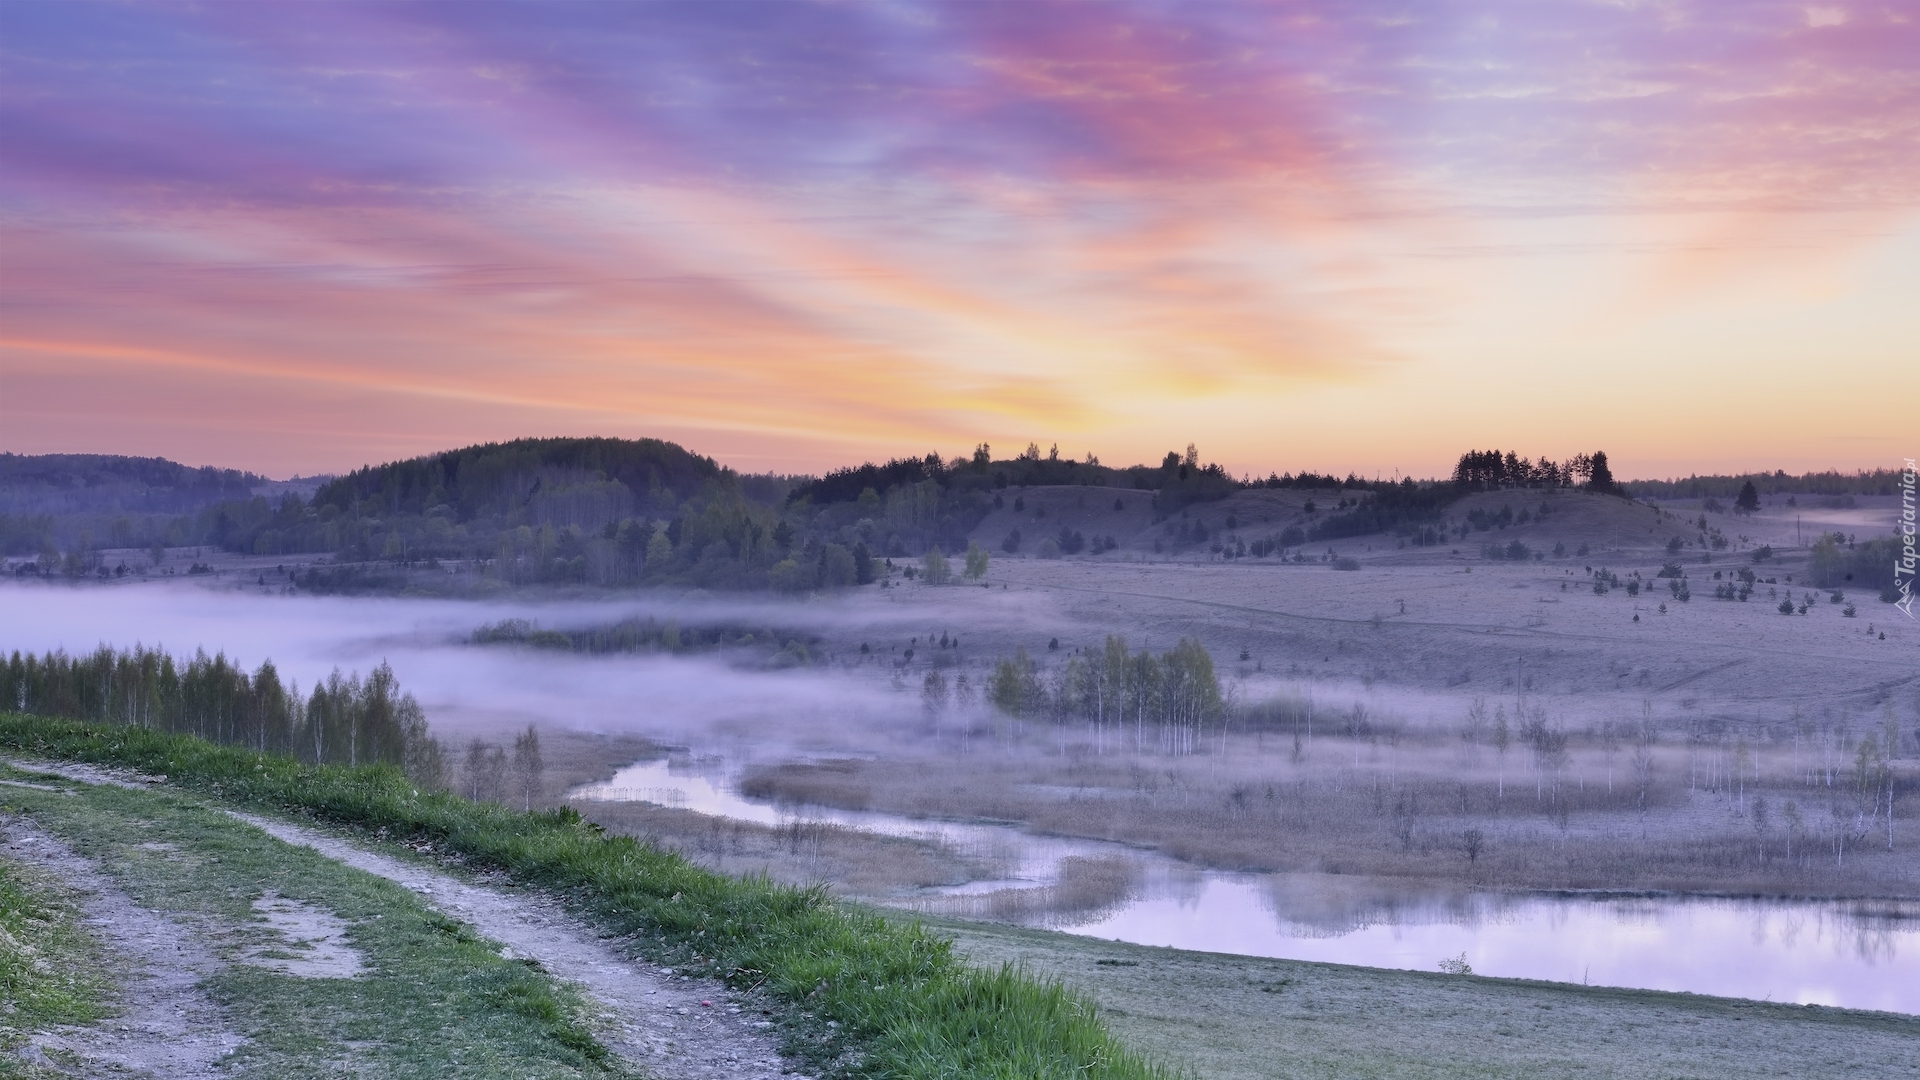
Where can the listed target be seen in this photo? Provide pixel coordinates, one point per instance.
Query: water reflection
(1856, 954)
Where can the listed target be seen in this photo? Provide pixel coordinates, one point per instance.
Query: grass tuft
(47, 962)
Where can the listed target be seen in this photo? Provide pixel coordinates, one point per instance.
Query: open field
(1591, 739)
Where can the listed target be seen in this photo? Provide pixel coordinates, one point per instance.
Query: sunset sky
(1367, 236)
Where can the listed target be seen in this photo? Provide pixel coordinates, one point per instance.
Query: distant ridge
(114, 484)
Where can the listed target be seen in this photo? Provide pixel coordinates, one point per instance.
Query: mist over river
(1859, 954)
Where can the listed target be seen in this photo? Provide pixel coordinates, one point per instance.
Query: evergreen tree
(1602, 477)
(1749, 499)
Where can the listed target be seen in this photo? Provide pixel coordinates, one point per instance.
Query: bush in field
(977, 560)
(934, 567)
(788, 575)
(1012, 543)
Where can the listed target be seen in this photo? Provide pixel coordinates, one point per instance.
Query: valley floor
(1241, 1018)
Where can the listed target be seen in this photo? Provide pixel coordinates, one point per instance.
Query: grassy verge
(434, 999)
(48, 963)
(902, 1004)
(1240, 1018)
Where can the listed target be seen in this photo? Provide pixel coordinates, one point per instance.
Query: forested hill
(562, 481)
(50, 502)
(618, 512)
(110, 484)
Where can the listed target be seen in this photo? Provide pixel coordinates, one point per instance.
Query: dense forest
(64, 501)
(345, 721)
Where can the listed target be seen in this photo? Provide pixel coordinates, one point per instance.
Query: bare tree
(1474, 841)
(528, 767)
(473, 771)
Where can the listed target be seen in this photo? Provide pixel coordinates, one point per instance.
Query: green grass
(1241, 1018)
(435, 1000)
(902, 1003)
(48, 963)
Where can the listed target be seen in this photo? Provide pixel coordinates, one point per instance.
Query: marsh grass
(1402, 804)
(903, 1005)
(1086, 889)
(855, 863)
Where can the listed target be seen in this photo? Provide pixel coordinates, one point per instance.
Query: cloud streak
(815, 230)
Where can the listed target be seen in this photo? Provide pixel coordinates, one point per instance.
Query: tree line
(1166, 704)
(346, 720)
(1485, 470)
(1778, 482)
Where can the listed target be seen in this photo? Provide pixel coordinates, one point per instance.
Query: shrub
(935, 567)
(1345, 562)
(977, 561)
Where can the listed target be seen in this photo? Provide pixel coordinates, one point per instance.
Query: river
(1851, 954)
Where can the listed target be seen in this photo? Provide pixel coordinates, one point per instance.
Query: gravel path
(670, 1027)
(167, 1027)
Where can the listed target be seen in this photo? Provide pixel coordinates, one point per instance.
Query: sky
(298, 238)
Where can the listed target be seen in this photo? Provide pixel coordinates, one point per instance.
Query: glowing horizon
(795, 236)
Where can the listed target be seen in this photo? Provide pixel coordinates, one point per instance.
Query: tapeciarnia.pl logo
(1903, 564)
